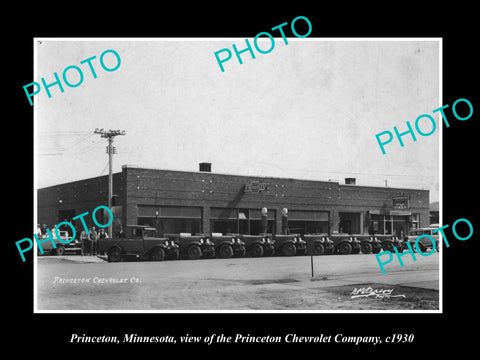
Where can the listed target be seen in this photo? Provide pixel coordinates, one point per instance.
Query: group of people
(89, 242)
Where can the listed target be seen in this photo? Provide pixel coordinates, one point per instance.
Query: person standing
(93, 240)
(86, 249)
(102, 234)
(43, 230)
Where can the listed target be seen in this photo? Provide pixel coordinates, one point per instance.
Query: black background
(51, 333)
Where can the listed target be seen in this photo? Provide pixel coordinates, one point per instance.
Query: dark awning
(401, 212)
(391, 212)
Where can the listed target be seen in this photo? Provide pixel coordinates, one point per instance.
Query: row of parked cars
(141, 242)
(144, 244)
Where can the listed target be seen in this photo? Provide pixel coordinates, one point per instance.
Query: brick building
(181, 201)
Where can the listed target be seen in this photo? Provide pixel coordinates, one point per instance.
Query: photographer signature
(377, 293)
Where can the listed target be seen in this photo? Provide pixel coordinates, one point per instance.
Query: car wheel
(318, 249)
(114, 255)
(366, 248)
(256, 250)
(60, 250)
(225, 251)
(194, 252)
(344, 248)
(158, 254)
(289, 249)
(388, 247)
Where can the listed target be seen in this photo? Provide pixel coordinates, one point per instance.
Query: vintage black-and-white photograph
(212, 175)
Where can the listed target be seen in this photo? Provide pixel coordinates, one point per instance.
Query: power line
(62, 133)
(371, 173)
(44, 146)
(82, 139)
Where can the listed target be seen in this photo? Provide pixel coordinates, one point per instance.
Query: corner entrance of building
(350, 223)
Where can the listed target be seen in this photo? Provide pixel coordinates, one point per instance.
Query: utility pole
(109, 135)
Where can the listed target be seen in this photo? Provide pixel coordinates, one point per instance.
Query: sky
(306, 110)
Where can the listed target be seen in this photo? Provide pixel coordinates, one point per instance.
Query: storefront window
(308, 222)
(224, 220)
(307, 227)
(255, 221)
(224, 226)
(241, 221)
(415, 221)
(171, 219)
(389, 225)
(256, 227)
(350, 223)
(377, 224)
(400, 226)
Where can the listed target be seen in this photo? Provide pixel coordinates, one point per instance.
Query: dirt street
(278, 283)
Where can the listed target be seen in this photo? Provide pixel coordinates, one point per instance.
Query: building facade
(205, 202)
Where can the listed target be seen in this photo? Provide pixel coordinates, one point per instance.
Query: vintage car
(228, 245)
(425, 243)
(345, 244)
(318, 244)
(389, 242)
(61, 247)
(193, 246)
(368, 244)
(290, 245)
(140, 242)
(259, 245)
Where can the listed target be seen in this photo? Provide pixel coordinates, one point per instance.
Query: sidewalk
(89, 259)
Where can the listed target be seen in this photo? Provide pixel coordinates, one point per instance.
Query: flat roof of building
(237, 175)
(269, 177)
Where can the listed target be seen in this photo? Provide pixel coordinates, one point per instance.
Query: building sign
(256, 187)
(400, 203)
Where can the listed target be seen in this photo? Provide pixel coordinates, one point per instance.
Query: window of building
(415, 221)
(171, 219)
(243, 221)
(256, 227)
(255, 222)
(308, 222)
(389, 225)
(350, 223)
(240, 221)
(224, 220)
